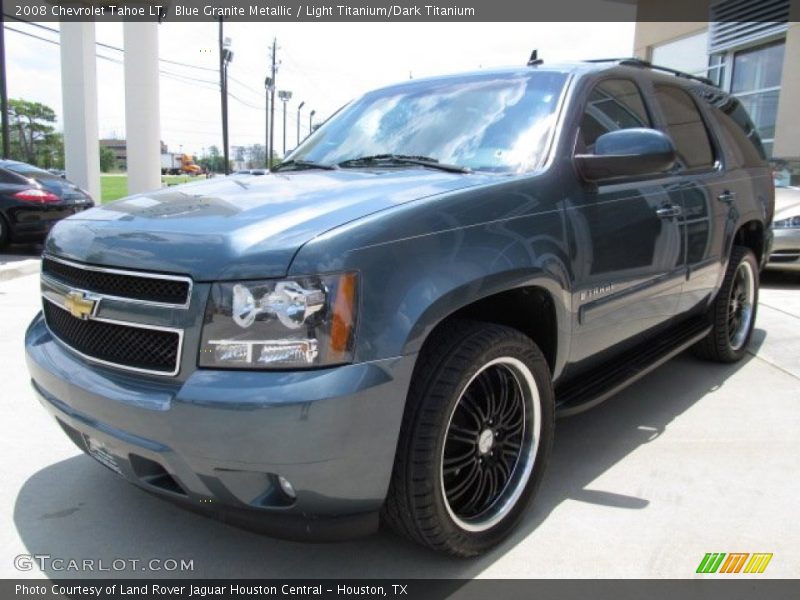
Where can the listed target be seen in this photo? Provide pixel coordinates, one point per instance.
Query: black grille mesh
(119, 344)
(136, 287)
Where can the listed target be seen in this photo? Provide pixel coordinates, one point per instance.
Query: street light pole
(284, 97)
(299, 108)
(270, 88)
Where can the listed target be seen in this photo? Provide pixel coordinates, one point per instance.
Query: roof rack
(643, 64)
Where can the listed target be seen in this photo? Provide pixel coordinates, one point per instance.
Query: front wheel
(733, 313)
(475, 439)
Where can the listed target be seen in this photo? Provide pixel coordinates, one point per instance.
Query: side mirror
(627, 153)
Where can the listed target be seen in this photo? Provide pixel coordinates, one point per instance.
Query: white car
(786, 227)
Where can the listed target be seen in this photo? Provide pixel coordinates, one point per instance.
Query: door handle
(727, 197)
(669, 211)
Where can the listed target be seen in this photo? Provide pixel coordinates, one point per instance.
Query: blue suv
(386, 326)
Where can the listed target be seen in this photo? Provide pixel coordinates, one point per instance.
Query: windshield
(494, 122)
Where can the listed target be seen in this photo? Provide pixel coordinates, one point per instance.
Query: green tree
(107, 159)
(33, 137)
(214, 161)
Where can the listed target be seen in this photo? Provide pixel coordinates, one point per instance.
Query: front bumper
(785, 252)
(218, 441)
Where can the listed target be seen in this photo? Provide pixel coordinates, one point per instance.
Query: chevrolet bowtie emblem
(79, 305)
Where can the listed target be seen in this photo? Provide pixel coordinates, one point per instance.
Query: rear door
(704, 188)
(628, 246)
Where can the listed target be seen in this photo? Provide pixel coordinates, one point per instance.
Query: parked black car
(53, 181)
(32, 200)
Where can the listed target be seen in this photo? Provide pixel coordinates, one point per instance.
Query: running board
(599, 384)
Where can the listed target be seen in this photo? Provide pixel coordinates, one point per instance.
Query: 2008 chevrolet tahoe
(387, 324)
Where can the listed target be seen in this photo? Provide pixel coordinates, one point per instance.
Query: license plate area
(101, 454)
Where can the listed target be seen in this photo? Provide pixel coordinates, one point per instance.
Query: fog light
(287, 487)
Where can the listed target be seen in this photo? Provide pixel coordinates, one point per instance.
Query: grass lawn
(115, 186)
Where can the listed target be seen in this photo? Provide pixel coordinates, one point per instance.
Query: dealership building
(750, 49)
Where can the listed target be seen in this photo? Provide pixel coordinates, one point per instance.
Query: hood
(787, 202)
(238, 227)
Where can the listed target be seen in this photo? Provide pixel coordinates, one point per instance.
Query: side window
(685, 126)
(613, 104)
(9, 177)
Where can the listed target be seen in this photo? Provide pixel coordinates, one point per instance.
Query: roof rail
(638, 62)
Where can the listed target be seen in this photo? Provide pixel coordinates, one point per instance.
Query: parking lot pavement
(694, 458)
(19, 260)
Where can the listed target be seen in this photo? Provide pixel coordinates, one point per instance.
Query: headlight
(303, 322)
(790, 223)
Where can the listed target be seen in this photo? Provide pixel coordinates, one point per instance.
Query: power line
(245, 86)
(169, 74)
(109, 46)
(180, 78)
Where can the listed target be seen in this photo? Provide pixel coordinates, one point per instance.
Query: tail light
(38, 196)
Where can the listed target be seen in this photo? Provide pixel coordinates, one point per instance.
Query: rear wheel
(5, 234)
(475, 439)
(733, 313)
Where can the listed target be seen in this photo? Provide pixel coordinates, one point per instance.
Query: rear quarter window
(742, 142)
(12, 178)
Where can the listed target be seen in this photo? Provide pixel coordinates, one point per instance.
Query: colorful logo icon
(734, 562)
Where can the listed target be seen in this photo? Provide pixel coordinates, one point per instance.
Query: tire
(733, 313)
(5, 232)
(447, 426)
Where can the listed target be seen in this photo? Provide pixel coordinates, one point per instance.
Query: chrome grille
(172, 290)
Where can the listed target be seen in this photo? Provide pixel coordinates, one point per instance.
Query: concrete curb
(19, 268)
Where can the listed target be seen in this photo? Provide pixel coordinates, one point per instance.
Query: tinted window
(499, 122)
(685, 126)
(742, 141)
(11, 177)
(613, 104)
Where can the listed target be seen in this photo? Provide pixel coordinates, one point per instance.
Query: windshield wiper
(403, 159)
(303, 164)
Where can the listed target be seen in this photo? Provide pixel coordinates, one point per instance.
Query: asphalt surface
(694, 458)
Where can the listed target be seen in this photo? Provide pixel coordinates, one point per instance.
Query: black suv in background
(388, 323)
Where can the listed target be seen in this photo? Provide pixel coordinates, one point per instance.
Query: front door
(628, 263)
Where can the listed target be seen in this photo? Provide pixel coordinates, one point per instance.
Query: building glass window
(756, 81)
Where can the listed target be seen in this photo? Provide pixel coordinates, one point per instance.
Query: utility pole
(225, 57)
(3, 91)
(271, 150)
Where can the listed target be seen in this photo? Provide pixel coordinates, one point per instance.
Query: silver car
(786, 227)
